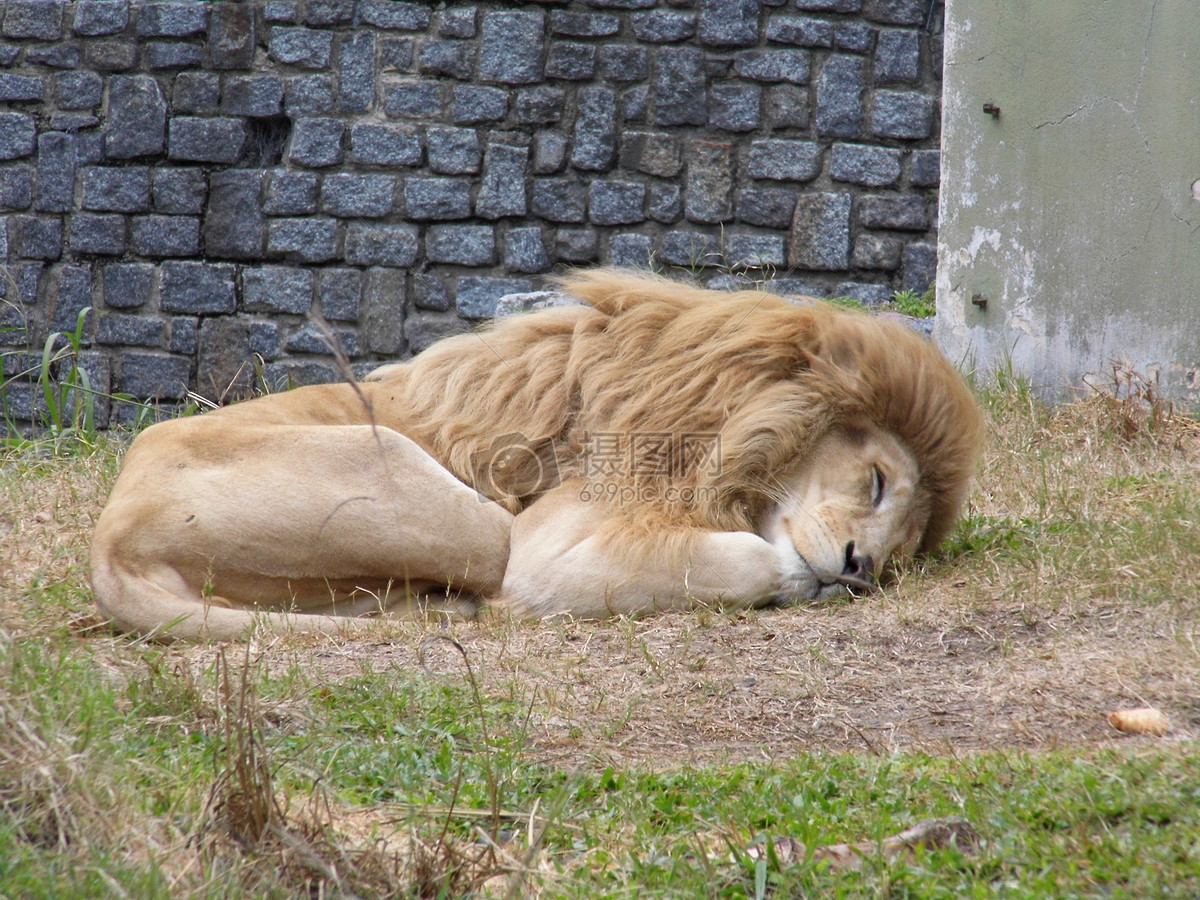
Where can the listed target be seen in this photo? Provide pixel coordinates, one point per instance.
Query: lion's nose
(859, 566)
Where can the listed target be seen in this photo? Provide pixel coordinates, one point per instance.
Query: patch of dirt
(869, 676)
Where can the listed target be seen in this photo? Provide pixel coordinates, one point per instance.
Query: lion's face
(849, 509)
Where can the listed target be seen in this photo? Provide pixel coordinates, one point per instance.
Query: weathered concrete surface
(1073, 213)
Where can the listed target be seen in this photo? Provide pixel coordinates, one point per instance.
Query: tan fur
(772, 378)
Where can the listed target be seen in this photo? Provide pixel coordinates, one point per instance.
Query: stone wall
(234, 187)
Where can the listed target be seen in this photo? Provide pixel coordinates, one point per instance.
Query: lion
(662, 447)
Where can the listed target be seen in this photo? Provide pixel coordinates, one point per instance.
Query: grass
(641, 759)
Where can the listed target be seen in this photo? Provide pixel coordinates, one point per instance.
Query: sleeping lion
(661, 448)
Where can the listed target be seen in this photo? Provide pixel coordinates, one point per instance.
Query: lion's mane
(651, 356)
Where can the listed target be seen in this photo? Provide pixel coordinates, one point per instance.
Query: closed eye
(878, 483)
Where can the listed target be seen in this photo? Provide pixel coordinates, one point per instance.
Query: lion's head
(850, 439)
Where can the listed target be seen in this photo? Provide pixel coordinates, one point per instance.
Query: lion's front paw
(797, 581)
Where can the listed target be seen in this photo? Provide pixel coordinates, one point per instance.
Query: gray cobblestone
(623, 62)
(463, 245)
(384, 145)
(898, 213)
(311, 339)
(307, 48)
(679, 87)
(595, 130)
(127, 285)
(571, 61)
(576, 245)
(132, 330)
(691, 249)
(281, 289)
(99, 234)
(366, 196)
(56, 163)
(663, 26)
(18, 135)
(735, 107)
(163, 55)
(502, 190)
(575, 24)
(864, 292)
(840, 97)
(154, 377)
(774, 65)
(291, 193)
(821, 232)
(768, 207)
(429, 292)
(525, 250)
(217, 140)
(412, 99)
(231, 35)
(876, 251)
(394, 14)
(458, 22)
(709, 194)
(432, 199)
(233, 222)
(754, 251)
(869, 166)
(310, 240)
(919, 264)
(453, 151)
(783, 160)
(902, 114)
(664, 203)
(137, 117)
(41, 19)
(36, 237)
(540, 105)
(898, 56)
(925, 169)
(21, 87)
(559, 199)
(729, 23)
(476, 296)
(357, 143)
(196, 288)
(78, 90)
(97, 17)
(631, 251)
(308, 96)
(252, 95)
(513, 47)
(195, 92)
(107, 189)
(368, 244)
(171, 19)
(317, 142)
(339, 292)
(895, 12)
(184, 335)
(549, 152)
(179, 191)
(16, 190)
(356, 73)
(472, 105)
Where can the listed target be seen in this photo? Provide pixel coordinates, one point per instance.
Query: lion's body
(645, 444)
